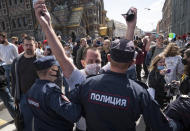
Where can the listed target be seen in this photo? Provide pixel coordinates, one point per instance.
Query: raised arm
(45, 21)
(131, 26)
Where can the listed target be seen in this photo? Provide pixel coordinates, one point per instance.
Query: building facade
(71, 18)
(166, 22)
(17, 17)
(120, 29)
(180, 17)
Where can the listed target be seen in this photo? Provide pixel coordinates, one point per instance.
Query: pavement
(2, 106)
(6, 121)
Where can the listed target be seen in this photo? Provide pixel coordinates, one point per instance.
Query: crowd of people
(95, 83)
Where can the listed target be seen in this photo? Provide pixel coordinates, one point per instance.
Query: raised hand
(132, 24)
(42, 14)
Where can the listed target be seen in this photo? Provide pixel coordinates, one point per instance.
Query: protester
(173, 62)
(156, 79)
(139, 59)
(14, 41)
(154, 50)
(105, 51)
(179, 42)
(178, 110)
(8, 52)
(47, 51)
(83, 46)
(39, 51)
(75, 49)
(22, 81)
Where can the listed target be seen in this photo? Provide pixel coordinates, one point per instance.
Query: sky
(146, 19)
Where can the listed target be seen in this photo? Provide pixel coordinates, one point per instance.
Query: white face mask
(92, 69)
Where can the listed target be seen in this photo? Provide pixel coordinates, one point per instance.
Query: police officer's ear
(83, 63)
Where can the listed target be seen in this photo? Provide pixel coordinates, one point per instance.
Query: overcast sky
(147, 19)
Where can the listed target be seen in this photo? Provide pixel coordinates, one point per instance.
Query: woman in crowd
(105, 51)
(173, 62)
(156, 79)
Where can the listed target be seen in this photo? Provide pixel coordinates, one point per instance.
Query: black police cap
(45, 62)
(122, 51)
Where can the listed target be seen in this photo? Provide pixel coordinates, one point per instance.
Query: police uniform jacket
(52, 111)
(111, 102)
(179, 111)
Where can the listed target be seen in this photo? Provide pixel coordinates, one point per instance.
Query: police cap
(45, 62)
(122, 51)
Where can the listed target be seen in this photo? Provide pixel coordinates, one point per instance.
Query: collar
(115, 73)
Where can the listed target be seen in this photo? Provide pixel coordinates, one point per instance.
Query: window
(27, 6)
(19, 22)
(3, 25)
(4, 11)
(0, 4)
(13, 24)
(10, 2)
(21, 1)
(15, 2)
(3, 5)
(24, 21)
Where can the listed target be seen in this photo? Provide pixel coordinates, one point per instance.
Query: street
(7, 124)
(6, 121)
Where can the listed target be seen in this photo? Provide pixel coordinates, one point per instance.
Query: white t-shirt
(8, 53)
(176, 67)
(77, 77)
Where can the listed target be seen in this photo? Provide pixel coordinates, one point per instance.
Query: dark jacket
(104, 57)
(110, 101)
(140, 56)
(185, 85)
(157, 81)
(51, 109)
(79, 57)
(179, 111)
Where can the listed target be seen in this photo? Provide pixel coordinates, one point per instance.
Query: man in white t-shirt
(91, 61)
(8, 52)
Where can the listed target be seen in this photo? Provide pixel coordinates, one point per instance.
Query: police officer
(51, 109)
(110, 101)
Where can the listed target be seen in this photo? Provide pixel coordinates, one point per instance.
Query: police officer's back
(111, 101)
(52, 110)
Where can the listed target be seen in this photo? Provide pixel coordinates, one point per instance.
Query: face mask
(161, 67)
(92, 69)
(184, 61)
(59, 78)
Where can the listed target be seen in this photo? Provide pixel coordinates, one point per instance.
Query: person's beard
(29, 52)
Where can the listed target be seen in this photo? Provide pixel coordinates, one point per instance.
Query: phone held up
(130, 15)
(34, 1)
